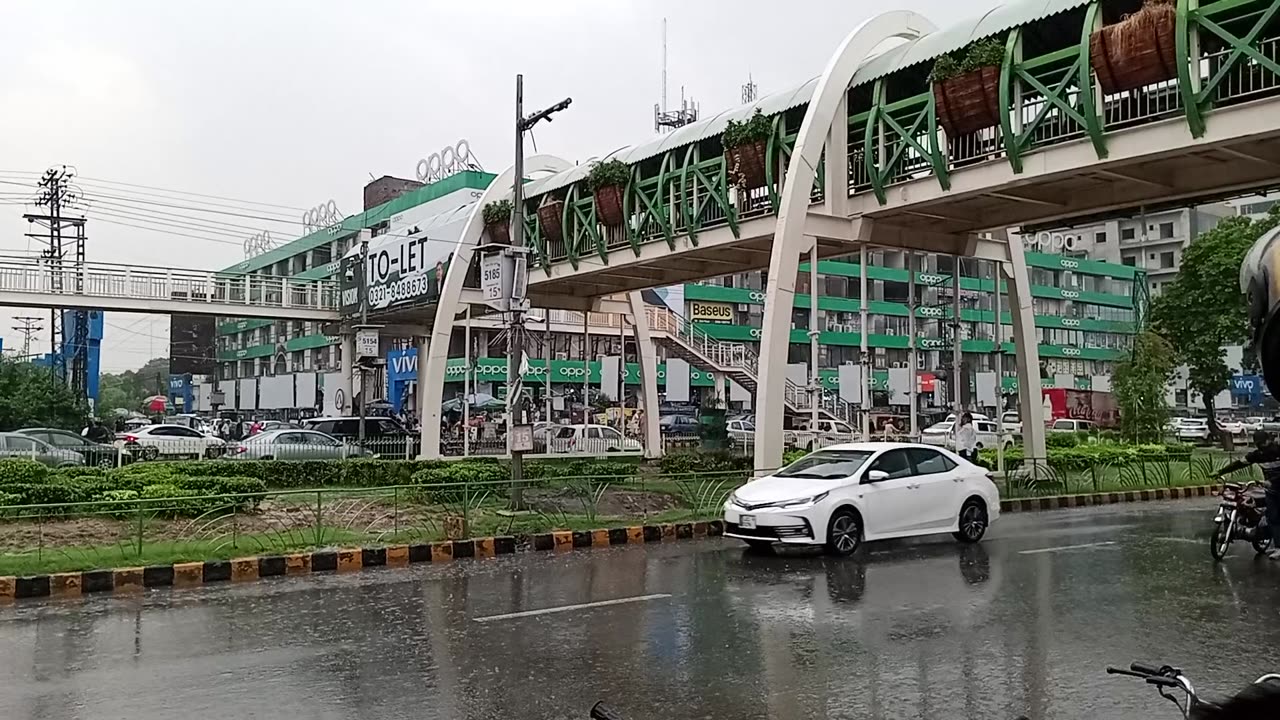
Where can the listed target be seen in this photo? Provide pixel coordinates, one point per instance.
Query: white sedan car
(151, 442)
(843, 495)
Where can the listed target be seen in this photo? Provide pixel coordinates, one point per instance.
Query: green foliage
(1138, 384)
(31, 397)
(686, 463)
(459, 482)
(497, 212)
(757, 128)
(793, 455)
(983, 53)
(608, 173)
(18, 470)
(1084, 456)
(1061, 440)
(128, 389)
(1203, 310)
(614, 470)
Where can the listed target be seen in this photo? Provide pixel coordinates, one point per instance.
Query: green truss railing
(1228, 52)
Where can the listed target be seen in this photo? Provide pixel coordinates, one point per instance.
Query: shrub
(78, 472)
(462, 481)
(608, 173)
(793, 455)
(1061, 440)
(983, 53)
(9, 498)
(498, 211)
(22, 471)
(714, 461)
(50, 494)
(754, 129)
(614, 470)
(120, 503)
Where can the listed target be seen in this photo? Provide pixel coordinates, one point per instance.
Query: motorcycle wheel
(1261, 546)
(1221, 540)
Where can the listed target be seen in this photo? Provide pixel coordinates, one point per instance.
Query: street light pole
(364, 320)
(515, 330)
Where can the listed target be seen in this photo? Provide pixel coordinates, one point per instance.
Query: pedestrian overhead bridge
(860, 156)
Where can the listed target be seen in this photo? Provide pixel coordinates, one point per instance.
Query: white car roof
(876, 446)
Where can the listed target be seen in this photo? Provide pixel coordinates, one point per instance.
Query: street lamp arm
(528, 123)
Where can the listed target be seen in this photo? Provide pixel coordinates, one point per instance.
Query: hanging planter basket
(550, 214)
(1137, 51)
(609, 205)
(747, 164)
(968, 102)
(499, 232)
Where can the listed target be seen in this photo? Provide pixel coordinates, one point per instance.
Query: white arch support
(432, 371)
(788, 239)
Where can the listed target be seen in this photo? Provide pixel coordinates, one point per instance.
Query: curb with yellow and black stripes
(195, 574)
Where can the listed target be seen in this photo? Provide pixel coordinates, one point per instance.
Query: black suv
(382, 435)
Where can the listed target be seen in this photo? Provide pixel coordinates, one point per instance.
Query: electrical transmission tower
(58, 195)
(28, 326)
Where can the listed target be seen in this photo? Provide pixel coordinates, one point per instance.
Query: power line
(173, 232)
(28, 326)
(103, 181)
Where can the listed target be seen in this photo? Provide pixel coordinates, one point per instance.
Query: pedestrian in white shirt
(967, 439)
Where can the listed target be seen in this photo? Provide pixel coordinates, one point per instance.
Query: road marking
(567, 608)
(1065, 547)
(1193, 541)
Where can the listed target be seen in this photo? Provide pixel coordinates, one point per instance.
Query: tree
(128, 389)
(1202, 310)
(1138, 384)
(30, 396)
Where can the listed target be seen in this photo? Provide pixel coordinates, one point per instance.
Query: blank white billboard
(247, 398)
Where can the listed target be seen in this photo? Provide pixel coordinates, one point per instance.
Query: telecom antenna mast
(665, 120)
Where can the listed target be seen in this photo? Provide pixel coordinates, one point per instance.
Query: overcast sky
(295, 103)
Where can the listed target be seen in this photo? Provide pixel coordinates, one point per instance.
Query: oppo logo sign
(1071, 351)
(1050, 242)
(1070, 322)
(933, 312)
(755, 333)
(931, 279)
(572, 372)
(1069, 264)
(930, 343)
(1070, 294)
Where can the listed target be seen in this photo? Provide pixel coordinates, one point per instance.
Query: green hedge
(17, 471)
(1084, 456)
(716, 461)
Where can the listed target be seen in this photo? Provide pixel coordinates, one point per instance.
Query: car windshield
(826, 465)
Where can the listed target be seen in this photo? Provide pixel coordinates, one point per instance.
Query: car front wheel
(973, 522)
(844, 532)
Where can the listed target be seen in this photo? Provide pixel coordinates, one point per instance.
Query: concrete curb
(1058, 502)
(195, 574)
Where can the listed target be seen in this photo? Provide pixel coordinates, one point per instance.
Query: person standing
(967, 439)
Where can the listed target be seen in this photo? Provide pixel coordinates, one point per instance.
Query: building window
(1127, 233)
(1166, 230)
(1129, 260)
(1166, 259)
(1099, 237)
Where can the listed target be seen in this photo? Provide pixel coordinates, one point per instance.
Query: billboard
(191, 344)
(717, 312)
(406, 266)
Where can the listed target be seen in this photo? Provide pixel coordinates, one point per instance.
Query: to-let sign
(701, 311)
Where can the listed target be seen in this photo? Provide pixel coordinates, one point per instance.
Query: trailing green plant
(606, 173)
(756, 128)
(497, 212)
(980, 54)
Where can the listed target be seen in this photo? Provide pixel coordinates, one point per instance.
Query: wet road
(1023, 623)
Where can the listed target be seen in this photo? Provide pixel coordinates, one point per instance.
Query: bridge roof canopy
(903, 55)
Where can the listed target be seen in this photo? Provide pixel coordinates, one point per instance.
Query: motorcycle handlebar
(1144, 669)
(600, 711)
(1161, 680)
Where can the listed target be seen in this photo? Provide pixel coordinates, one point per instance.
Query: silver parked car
(290, 444)
(17, 445)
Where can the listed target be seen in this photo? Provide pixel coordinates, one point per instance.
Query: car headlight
(803, 501)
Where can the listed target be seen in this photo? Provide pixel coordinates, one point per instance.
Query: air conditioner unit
(740, 307)
(562, 356)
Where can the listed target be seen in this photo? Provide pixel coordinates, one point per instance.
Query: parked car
(679, 425)
(943, 434)
(152, 442)
(18, 445)
(742, 432)
(826, 432)
(1071, 425)
(591, 439)
(289, 444)
(1253, 423)
(98, 454)
(1191, 429)
(1011, 422)
(1233, 427)
(841, 496)
(383, 435)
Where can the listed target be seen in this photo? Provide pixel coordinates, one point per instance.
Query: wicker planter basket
(1137, 51)
(970, 102)
(550, 216)
(609, 205)
(499, 232)
(746, 165)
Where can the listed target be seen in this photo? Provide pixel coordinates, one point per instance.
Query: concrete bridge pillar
(348, 375)
(648, 377)
(1026, 351)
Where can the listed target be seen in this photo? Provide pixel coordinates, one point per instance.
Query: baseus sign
(700, 311)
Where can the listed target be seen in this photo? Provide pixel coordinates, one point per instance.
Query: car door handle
(913, 487)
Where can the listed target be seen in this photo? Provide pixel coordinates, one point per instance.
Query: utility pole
(27, 325)
(515, 330)
(56, 193)
(364, 322)
(957, 357)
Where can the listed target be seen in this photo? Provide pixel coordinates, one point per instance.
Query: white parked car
(1253, 423)
(843, 495)
(1011, 422)
(943, 434)
(591, 439)
(150, 442)
(1233, 427)
(1071, 425)
(1191, 429)
(826, 432)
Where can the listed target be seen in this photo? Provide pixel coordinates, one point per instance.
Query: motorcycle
(1241, 516)
(1169, 680)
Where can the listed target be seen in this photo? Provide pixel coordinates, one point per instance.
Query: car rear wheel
(106, 462)
(844, 532)
(973, 521)
(150, 453)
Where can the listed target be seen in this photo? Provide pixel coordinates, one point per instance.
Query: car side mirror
(874, 476)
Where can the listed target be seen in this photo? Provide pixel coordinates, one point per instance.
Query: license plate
(747, 522)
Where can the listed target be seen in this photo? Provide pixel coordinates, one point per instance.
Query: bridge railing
(104, 280)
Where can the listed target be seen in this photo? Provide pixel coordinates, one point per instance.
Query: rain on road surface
(1023, 623)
